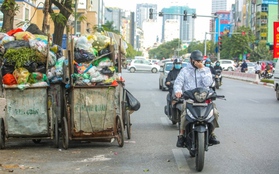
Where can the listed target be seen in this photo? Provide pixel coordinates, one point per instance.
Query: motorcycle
(217, 79)
(200, 122)
(266, 75)
(173, 111)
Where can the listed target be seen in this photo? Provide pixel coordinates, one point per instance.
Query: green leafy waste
(21, 56)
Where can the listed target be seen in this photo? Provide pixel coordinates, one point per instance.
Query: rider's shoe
(180, 141)
(213, 140)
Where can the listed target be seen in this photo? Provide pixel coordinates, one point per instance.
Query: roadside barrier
(241, 76)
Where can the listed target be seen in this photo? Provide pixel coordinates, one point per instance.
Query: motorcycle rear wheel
(200, 146)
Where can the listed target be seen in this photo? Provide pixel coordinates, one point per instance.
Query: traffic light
(194, 15)
(185, 16)
(220, 43)
(161, 14)
(150, 13)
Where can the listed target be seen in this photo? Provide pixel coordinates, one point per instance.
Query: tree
(167, 49)
(131, 52)
(238, 43)
(60, 19)
(261, 52)
(108, 26)
(9, 9)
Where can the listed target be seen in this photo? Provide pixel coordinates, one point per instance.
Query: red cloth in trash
(9, 79)
(14, 31)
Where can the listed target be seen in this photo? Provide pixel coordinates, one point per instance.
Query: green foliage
(167, 50)
(58, 18)
(237, 44)
(10, 5)
(267, 81)
(261, 52)
(108, 26)
(23, 55)
(131, 52)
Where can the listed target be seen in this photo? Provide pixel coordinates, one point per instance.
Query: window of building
(264, 7)
(26, 17)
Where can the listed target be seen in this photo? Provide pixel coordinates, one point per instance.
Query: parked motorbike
(218, 79)
(200, 122)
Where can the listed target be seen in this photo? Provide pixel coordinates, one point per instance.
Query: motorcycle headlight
(200, 97)
(210, 114)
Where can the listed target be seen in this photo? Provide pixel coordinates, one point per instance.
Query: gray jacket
(190, 78)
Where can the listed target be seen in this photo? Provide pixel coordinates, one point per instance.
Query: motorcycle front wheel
(200, 146)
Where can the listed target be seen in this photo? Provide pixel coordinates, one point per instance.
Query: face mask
(217, 64)
(177, 66)
(207, 65)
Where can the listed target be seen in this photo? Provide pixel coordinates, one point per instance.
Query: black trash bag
(7, 69)
(133, 103)
(34, 29)
(104, 51)
(106, 71)
(82, 56)
(16, 44)
(41, 68)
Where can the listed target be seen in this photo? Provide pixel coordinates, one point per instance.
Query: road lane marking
(255, 101)
(180, 159)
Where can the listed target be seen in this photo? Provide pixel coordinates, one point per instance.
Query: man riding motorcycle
(217, 67)
(177, 66)
(207, 63)
(193, 76)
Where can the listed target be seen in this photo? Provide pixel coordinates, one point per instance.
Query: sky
(203, 7)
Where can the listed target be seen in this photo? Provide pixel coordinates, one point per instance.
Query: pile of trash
(29, 60)
(26, 58)
(93, 64)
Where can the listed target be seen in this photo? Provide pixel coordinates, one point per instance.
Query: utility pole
(205, 40)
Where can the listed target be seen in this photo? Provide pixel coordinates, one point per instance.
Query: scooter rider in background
(177, 66)
(193, 76)
(218, 67)
(207, 63)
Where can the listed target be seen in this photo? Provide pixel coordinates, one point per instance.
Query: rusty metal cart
(93, 114)
(29, 115)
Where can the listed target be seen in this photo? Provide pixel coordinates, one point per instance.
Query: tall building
(186, 32)
(113, 15)
(218, 5)
(142, 13)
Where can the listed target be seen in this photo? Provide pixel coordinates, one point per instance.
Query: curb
(264, 83)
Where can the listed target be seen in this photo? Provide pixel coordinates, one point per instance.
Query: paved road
(248, 134)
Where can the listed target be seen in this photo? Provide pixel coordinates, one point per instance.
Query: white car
(251, 67)
(227, 64)
(154, 61)
(142, 65)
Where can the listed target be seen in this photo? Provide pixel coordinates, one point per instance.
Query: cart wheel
(128, 123)
(65, 135)
(120, 131)
(36, 141)
(2, 134)
(56, 133)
